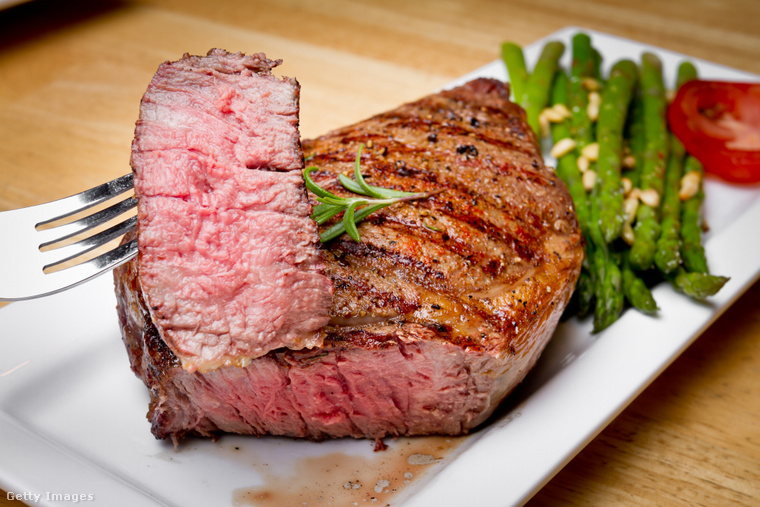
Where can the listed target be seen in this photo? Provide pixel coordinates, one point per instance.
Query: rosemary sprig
(354, 209)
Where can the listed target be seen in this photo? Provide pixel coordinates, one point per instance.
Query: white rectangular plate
(72, 413)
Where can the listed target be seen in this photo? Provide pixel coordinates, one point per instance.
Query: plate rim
(67, 467)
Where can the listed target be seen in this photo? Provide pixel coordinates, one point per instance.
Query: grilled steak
(228, 256)
(438, 313)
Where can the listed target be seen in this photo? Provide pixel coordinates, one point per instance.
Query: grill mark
(370, 293)
(364, 252)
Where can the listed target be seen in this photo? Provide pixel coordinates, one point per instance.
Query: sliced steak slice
(438, 313)
(228, 256)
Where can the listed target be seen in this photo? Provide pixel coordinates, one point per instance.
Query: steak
(438, 313)
(228, 256)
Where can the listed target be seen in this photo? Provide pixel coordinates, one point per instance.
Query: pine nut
(650, 197)
(548, 114)
(562, 111)
(583, 164)
(563, 147)
(590, 84)
(630, 206)
(628, 236)
(594, 101)
(589, 179)
(591, 151)
(627, 186)
(689, 185)
(629, 162)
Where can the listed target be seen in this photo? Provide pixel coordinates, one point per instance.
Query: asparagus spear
(610, 298)
(538, 86)
(637, 137)
(615, 101)
(697, 285)
(686, 72)
(567, 170)
(692, 251)
(597, 58)
(567, 166)
(581, 127)
(514, 59)
(647, 228)
(636, 291)
(584, 291)
(601, 273)
(668, 254)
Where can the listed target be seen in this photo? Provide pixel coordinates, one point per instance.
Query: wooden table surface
(72, 74)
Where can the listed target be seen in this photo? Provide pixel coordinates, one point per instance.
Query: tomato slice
(719, 123)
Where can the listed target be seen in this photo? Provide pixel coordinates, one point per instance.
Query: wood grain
(72, 74)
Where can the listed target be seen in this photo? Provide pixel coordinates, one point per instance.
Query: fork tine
(61, 232)
(75, 275)
(67, 206)
(68, 252)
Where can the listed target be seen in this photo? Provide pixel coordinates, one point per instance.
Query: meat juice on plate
(331, 473)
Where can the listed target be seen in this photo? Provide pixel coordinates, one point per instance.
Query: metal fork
(27, 266)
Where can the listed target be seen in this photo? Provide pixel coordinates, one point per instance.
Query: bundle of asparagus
(637, 193)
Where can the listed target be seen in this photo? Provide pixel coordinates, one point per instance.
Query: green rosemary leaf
(367, 190)
(349, 220)
(334, 200)
(389, 193)
(332, 232)
(350, 185)
(382, 193)
(339, 228)
(365, 212)
(324, 212)
(313, 187)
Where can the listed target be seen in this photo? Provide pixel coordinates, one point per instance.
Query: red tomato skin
(703, 139)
